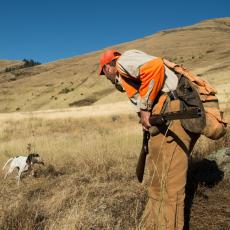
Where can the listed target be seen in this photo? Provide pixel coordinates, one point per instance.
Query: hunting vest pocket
(189, 98)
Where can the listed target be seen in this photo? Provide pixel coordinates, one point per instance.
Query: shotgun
(156, 120)
(142, 157)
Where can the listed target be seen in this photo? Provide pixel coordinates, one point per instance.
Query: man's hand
(145, 119)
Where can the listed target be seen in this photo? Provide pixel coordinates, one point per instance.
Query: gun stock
(142, 158)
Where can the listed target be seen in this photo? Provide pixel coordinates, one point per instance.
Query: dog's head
(34, 158)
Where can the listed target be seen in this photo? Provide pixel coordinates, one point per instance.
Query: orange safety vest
(141, 75)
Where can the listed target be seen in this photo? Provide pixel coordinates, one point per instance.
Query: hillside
(90, 140)
(74, 81)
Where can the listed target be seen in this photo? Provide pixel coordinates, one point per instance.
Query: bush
(66, 90)
(30, 63)
(27, 63)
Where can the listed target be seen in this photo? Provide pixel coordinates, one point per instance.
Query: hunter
(150, 86)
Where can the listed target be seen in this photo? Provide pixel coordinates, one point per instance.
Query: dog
(23, 164)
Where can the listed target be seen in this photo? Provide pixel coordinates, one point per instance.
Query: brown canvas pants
(167, 167)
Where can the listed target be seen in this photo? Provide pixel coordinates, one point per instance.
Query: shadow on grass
(201, 172)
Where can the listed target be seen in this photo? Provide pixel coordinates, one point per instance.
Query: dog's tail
(7, 162)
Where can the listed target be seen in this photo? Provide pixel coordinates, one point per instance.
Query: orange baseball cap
(106, 58)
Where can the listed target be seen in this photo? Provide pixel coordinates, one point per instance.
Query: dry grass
(206, 146)
(88, 181)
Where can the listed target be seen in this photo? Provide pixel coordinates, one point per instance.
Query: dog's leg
(18, 177)
(18, 180)
(32, 173)
(6, 174)
(10, 170)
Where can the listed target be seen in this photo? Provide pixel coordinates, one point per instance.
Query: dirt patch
(207, 196)
(83, 102)
(92, 99)
(217, 69)
(210, 208)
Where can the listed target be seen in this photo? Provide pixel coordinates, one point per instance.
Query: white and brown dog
(23, 164)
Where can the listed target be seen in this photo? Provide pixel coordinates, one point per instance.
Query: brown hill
(203, 47)
(7, 64)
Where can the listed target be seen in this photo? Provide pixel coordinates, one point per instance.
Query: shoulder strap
(203, 86)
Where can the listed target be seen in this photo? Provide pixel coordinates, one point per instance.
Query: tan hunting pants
(167, 167)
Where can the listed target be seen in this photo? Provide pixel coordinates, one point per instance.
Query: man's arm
(145, 115)
(152, 76)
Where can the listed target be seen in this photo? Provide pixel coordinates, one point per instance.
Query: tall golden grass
(88, 181)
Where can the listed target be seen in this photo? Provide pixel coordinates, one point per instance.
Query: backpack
(195, 91)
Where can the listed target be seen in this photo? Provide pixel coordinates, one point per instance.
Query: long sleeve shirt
(143, 77)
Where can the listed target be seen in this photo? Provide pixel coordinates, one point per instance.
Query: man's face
(110, 72)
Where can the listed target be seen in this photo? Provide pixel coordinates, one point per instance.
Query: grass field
(90, 148)
(88, 181)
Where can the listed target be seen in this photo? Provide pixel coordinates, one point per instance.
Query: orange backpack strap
(203, 86)
(169, 64)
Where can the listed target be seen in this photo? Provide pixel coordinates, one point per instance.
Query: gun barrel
(182, 114)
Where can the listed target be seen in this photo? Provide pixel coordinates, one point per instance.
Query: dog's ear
(29, 159)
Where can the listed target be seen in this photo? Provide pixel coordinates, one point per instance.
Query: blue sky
(47, 30)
